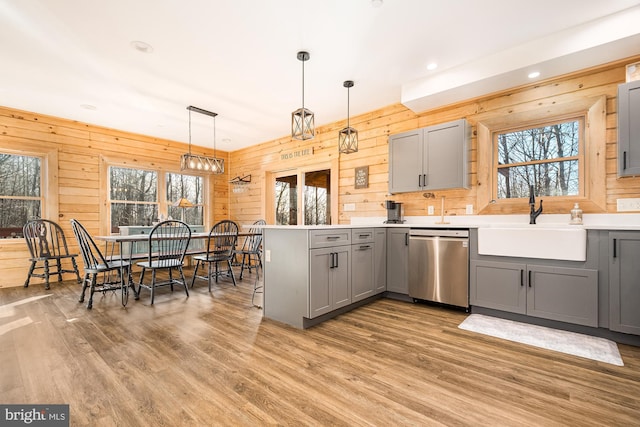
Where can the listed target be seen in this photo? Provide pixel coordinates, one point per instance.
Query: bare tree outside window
(188, 187)
(133, 197)
(20, 192)
(545, 157)
(316, 197)
(286, 200)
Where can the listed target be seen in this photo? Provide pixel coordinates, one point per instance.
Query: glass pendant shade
(194, 162)
(348, 137)
(302, 120)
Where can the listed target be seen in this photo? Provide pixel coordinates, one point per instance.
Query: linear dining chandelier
(194, 162)
(302, 120)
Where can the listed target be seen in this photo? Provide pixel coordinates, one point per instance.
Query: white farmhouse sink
(534, 241)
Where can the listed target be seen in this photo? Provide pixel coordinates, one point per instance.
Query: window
(303, 197)
(188, 187)
(139, 197)
(133, 197)
(545, 157)
(20, 192)
(559, 148)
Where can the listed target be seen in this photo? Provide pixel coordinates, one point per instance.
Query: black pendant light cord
(189, 131)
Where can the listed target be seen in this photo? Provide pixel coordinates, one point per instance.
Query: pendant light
(302, 120)
(197, 163)
(348, 137)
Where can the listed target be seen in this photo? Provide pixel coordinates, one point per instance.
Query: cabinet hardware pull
(529, 278)
(406, 239)
(624, 160)
(330, 259)
(337, 258)
(521, 277)
(332, 237)
(615, 247)
(364, 247)
(424, 180)
(419, 180)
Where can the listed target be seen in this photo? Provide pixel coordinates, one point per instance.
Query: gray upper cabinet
(629, 129)
(431, 158)
(624, 282)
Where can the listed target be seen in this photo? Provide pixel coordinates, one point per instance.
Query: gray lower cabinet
(312, 274)
(380, 260)
(398, 260)
(329, 279)
(368, 262)
(557, 293)
(624, 282)
(362, 264)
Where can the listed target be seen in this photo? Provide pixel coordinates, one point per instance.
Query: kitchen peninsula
(314, 273)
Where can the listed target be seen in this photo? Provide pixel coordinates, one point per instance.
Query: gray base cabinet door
(362, 283)
(398, 260)
(380, 260)
(564, 294)
(557, 293)
(624, 282)
(498, 285)
(329, 279)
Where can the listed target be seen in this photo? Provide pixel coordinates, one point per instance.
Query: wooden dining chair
(168, 242)
(221, 244)
(100, 275)
(251, 252)
(48, 248)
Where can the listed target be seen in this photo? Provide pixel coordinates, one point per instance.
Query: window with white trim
(21, 195)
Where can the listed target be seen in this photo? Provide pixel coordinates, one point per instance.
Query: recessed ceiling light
(89, 107)
(534, 74)
(141, 46)
(376, 3)
(226, 140)
(432, 66)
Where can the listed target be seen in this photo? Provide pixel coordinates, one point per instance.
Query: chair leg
(59, 265)
(92, 288)
(31, 268)
(184, 282)
(153, 284)
(75, 268)
(209, 272)
(233, 276)
(242, 265)
(46, 274)
(195, 273)
(85, 284)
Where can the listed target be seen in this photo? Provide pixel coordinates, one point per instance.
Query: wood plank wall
(375, 127)
(81, 148)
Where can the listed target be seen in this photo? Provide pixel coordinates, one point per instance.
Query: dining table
(126, 245)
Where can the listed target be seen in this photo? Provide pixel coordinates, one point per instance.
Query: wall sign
(362, 177)
(297, 153)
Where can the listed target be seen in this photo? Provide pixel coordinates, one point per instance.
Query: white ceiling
(238, 57)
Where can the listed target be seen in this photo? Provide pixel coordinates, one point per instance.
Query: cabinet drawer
(362, 235)
(328, 238)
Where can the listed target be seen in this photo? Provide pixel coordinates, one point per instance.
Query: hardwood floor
(212, 360)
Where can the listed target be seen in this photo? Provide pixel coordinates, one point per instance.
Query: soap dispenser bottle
(576, 215)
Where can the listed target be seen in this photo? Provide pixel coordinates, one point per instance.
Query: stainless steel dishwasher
(439, 266)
